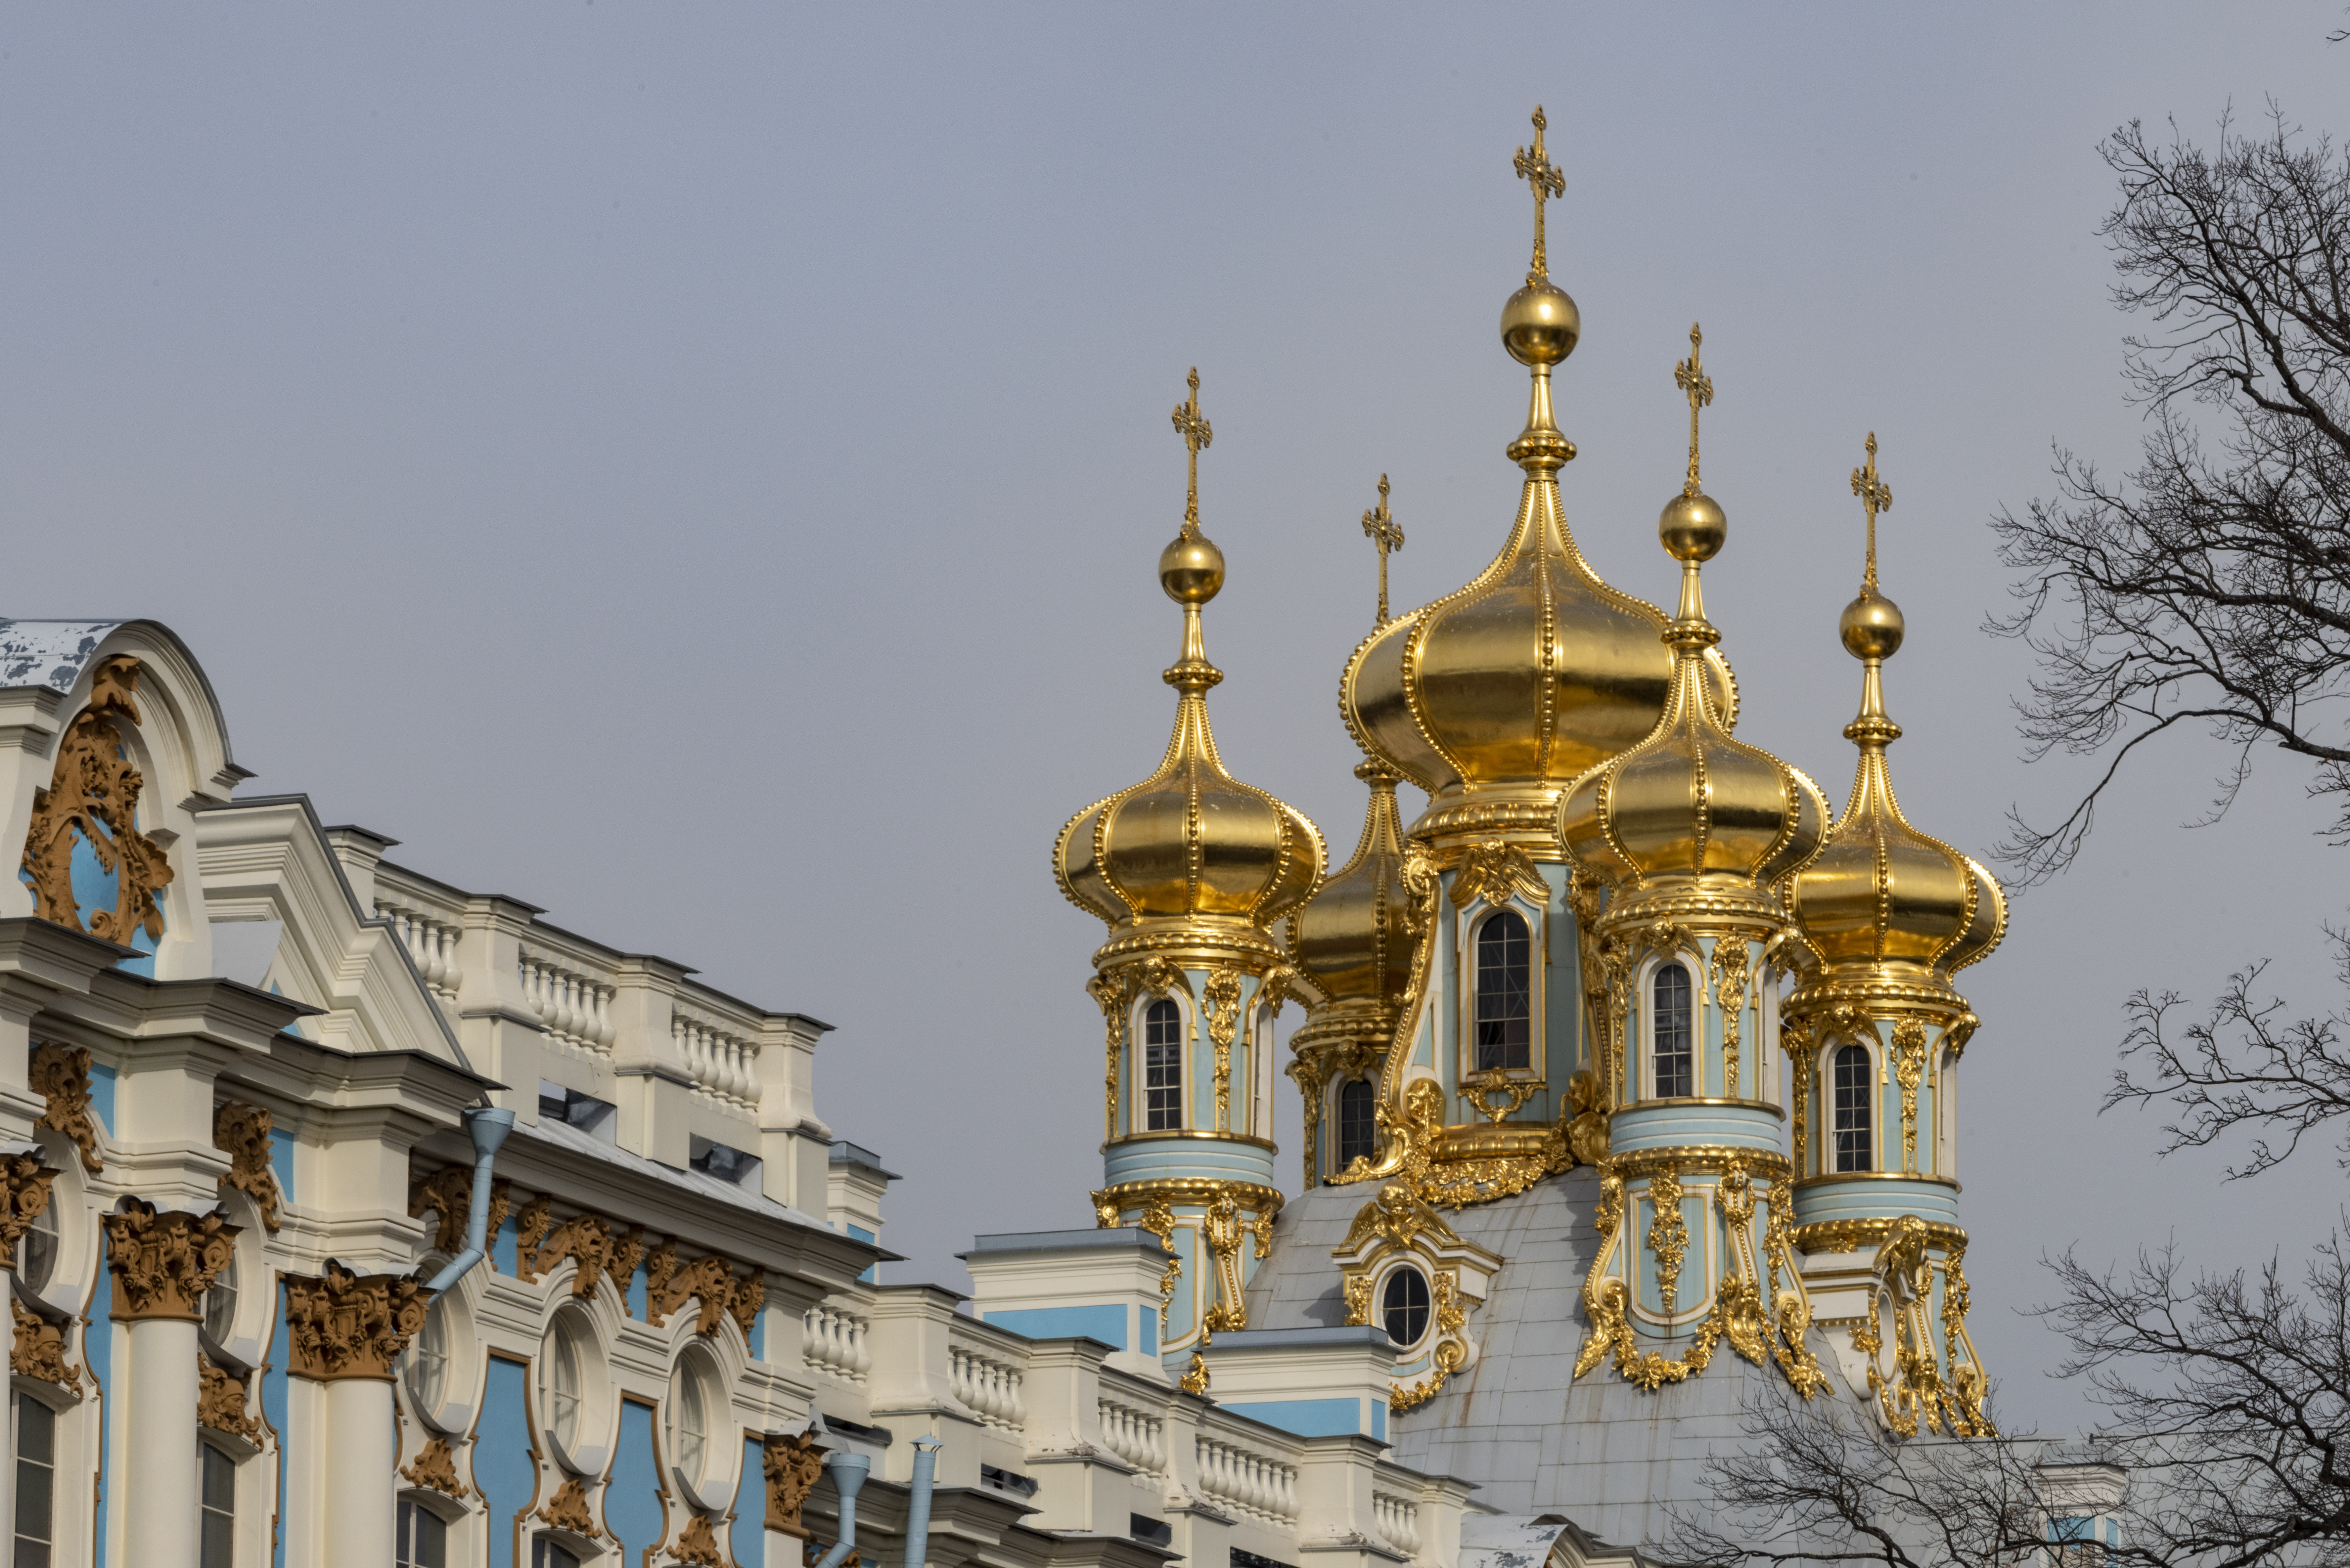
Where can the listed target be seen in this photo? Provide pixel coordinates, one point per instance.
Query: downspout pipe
(848, 1472)
(918, 1509)
(487, 1127)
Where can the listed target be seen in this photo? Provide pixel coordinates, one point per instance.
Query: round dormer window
(1403, 1304)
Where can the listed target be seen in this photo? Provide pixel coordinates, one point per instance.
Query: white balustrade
(1134, 1437)
(431, 943)
(1396, 1519)
(576, 1009)
(723, 1065)
(990, 1385)
(1248, 1479)
(837, 1343)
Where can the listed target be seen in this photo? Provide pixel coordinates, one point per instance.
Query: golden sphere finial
(1540, 324)
(1191, 569)
(1692, 527)
(1871, 626)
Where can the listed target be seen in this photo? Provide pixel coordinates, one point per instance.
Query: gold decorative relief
(1110, 992)
(435, 1468)
(1422, 884)
(449, 1192)
(1107, 1212)
(1272, 991)
(1221, 1001)
(696, 1545)
(1963, 1391)
(1791, 1307)
(60, 1076)
(1729, 963)
(531, 1227)
(1307, 1075)
(792, 1467)
(712, 1281)
(164, 1261)
(1908, 1071)
(24, 1184)
(1668, 1233)
(585, 1240)
(1911, 1394)
(660, 1267)
(1158, 975)
(1358, 1299)
(1158, 1218)
(1222, 1226)
(243, 1133)
(343, 1324)
(1498, 871)
(220, 1401)
(1481, 1089)
(39, 1349)
(1195, 1379)
(628, 1251)
(567, 1510)
(1796, 1042)
(93, 796)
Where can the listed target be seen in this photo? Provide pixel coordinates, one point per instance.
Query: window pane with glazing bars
(216, 1535)
(1163, 1066)
(423, 1538)
(37, 1474)
(1851, 1095)
(1676, 1061)
(1505, 994)
(1356, 1130)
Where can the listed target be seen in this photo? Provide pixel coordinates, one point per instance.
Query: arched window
(1163, 1066)
(558, 1388)
(1505, 994)
(1852, 1144)
(1404, 1307)
(428, 1362)
(1676, 1063)
(689, 1424)
(220, 1304)
(37, 1258)
(1357, 1128)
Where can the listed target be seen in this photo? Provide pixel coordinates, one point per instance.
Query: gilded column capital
(351, 1326)
(27, 1199)
(163, 1261)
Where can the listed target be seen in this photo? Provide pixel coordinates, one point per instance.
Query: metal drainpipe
(848, 1472)
(487, 1127)
(918, 1510)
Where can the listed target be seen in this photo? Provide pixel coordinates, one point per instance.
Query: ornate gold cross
(1196, 434)
(1380, 526)
(1535, 168)
(1690, 376)
(1877, 496)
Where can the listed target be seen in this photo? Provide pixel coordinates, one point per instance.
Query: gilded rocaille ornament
(93, 799)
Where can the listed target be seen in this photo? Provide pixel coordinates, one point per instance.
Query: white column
(158, 1498)
(362, 1457)
(7, 1354)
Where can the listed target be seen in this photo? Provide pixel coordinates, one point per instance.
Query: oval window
(1404, 1304)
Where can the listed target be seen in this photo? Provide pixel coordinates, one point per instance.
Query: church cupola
(1353, 946)
(1883, 916)
(1688, 837)
(1190, 869)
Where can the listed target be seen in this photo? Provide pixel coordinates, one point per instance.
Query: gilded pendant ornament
(1668, 1233)
(242, 1131)
(1730, 966)
(93, 797)
(38, 1350)
(1498, 871)
(435, 1468)
(697, 1544)
(60, 1076)
(567, 1510)
(1221, 1000)
(1908, 1071)
(1223, 1228)
(1109, 992)
(1307, 1075)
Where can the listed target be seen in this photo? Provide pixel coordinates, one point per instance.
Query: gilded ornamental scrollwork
(567, 1510)
(222, 1401)
(1729, 974)
(1497, 871)
(435, 1468)
(243, 1133)
(585, 1240)
(163, 1261)
(1908, 1071)
(792, 1467)
(1221, 1000)
(1912, 1387)
(697, 1544)
(343, 1324)
(712, 1281)
(60, 1076)
(24, 1184)
(38, 1350)
(1398, 1226)
(93, 798)
(449, 1192)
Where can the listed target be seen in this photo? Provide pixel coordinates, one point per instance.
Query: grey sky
(701, 469)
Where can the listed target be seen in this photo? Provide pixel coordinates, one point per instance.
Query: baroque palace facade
(354, 1219)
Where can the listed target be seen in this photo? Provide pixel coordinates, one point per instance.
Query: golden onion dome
(1881, 892)
(1690, 800)
(1190, 840)
(1350, 939)
(1516, 683)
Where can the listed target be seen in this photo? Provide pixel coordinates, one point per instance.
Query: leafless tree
(2210, 589)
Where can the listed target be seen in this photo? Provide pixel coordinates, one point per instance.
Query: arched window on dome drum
(1505, 994)
(1163, 1066)
(1356, 1127)
(1676, 1061)
(1851, 1147)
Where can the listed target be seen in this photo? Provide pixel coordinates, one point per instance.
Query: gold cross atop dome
(1535, 168)
(1381, 528)
(1877, 496)
(1197, 434)
(1691, 378)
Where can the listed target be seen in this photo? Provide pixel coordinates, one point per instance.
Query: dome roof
(1880, 892)
(1527, 676)
(1690, 800)
(1350, 939)
(1189, 841)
